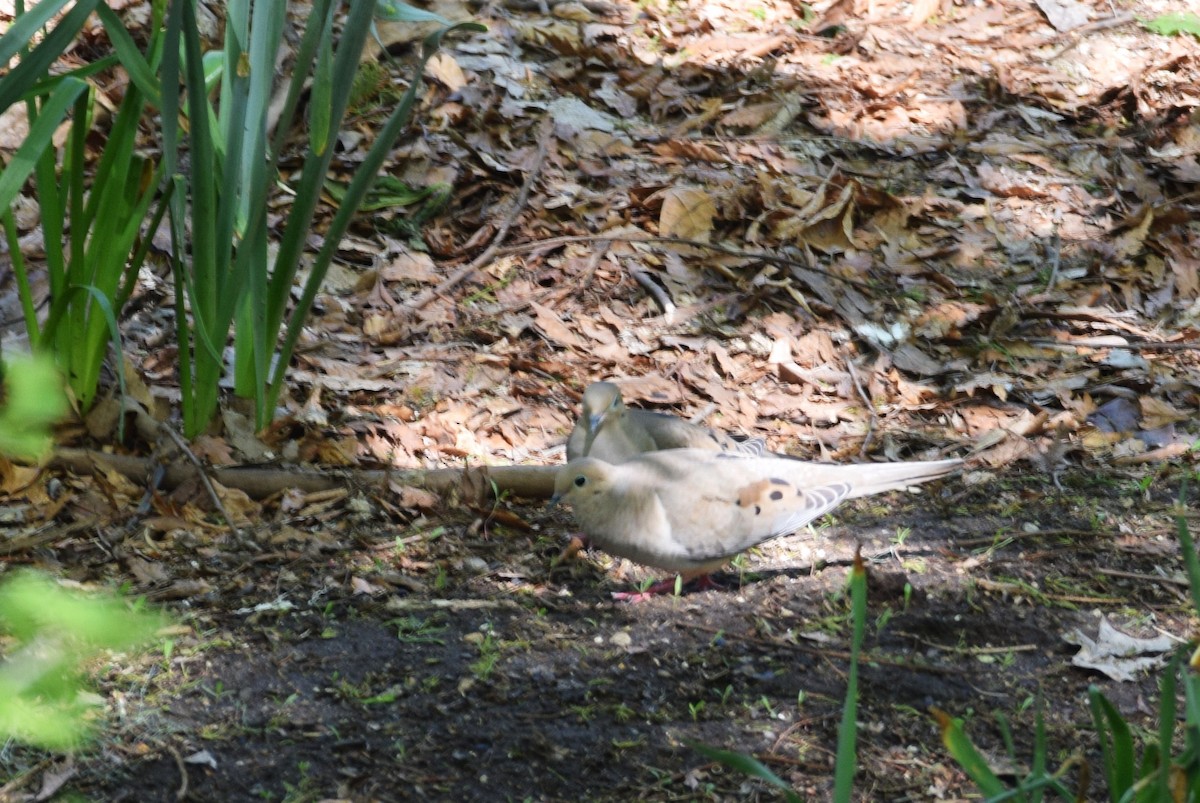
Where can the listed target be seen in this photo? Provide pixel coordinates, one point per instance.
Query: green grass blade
(305, 55)
(54, 216)
(266, 34)
(970, 759)
(321, 105)
(1116, 744)
(22, 30)
(34, 65)
(846, 763)
(395, 11)
(360, 185)
(1190, 562)
(130, 57)
(316, 166)
(748, 765)
(40, 136)
(21, 271)
(60, 307)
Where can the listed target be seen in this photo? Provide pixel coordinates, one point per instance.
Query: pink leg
(703, 582)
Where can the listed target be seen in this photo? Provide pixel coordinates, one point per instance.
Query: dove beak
(593, 428)
(553, 503)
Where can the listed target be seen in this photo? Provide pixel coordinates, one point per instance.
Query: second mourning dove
(689, 510)
(610, 431)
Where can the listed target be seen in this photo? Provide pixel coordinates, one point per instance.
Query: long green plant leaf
(22, 30)
(970, 759)
(140, 72)
(40, 137)
(748, 765)
(1116, 744)
(846, 763)
(360, 185)
(33, 66)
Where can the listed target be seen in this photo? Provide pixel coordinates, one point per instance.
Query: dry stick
(204, 480)
(22, 778)
(555, 242)
(873, 422)
(182, 792)
(823, 652)
(654, 291)
(1149, 578)
(492, 250)
(1140, 345)
(530, 482)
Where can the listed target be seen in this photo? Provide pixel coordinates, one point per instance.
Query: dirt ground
(463, 667)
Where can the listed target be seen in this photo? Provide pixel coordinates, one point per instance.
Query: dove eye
(580, 481)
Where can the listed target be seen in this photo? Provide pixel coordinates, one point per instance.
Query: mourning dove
(609, 431)
(690, 510)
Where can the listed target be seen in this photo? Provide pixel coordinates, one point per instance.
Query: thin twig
(182, 792)
(555, 242)
(654, 291)
(873, 418)
(514, 211)
(202, 474)
(824, 652)
(23, 778)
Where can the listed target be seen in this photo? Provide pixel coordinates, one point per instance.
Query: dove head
(581, 480)
(600, 401)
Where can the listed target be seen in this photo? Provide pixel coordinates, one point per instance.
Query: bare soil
(467, 669)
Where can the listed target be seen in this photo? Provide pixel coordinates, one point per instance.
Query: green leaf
(395, 11)
(970, 759)
(32, 604)
(747, 765)
(33, 66)
(131, 58)
(23, 29)
(40, 137)
(321, 104)
(1174, 23)
(34, 400)
(1116, 743)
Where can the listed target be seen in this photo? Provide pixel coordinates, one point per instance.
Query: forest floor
(912, 230)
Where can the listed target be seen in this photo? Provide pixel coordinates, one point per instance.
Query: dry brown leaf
(147, 572)
(238, 504)
(212, 450)
(445, 70)
(547, 322)
(410, 266)
(575, 12)
(687, 212)
(14, 478)
(752, 115)
(411, 498)
(1158, 413)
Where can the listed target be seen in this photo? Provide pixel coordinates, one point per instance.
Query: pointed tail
(874, 478)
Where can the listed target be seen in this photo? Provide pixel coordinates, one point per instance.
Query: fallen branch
(259, 482)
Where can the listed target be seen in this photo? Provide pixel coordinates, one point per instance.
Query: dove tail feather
(876, 478)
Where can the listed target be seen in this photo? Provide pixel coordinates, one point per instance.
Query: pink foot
(702, 583)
